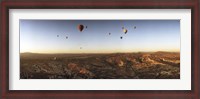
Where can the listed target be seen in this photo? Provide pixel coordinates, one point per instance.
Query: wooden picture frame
(194, 93)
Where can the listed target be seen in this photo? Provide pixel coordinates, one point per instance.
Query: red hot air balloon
(80, 27)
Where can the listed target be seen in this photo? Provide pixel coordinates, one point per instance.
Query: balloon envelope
(80, 27)
(125, 31)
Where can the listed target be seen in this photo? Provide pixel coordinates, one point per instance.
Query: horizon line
(101, 53)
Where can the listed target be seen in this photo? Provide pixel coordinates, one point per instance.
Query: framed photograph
(100, 49)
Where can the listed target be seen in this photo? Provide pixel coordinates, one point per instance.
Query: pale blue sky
(40, 36)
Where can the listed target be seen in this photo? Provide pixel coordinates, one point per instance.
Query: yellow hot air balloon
(125, 31)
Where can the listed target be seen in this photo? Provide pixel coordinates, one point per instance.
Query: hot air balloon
(134, 27)
(57, 35)
(109, 33)
(80, 27)
(125, 31)
(121, 37)
(66, 37)
(86, 27)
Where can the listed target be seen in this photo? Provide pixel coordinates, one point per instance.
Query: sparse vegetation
(158, 65)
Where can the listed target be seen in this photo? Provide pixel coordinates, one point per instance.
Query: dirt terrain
(154, 65)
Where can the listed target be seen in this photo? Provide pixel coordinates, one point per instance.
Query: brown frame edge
(89, 4)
